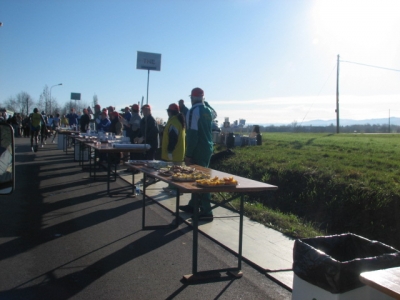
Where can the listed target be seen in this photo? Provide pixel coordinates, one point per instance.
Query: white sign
(148, 61)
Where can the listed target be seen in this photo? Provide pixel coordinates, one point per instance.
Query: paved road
(63, 237)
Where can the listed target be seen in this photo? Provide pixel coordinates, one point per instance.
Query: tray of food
(217, 182)
(189, 176)
(182, 169)
(165, 172)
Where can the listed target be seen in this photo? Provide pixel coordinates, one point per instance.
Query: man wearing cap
(116, 124)
(148, 133)
(110, 110)
(173, 139)
(199, 147)
(105, 123)
(127, 116)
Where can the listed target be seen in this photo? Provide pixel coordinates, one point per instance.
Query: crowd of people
(186, 137)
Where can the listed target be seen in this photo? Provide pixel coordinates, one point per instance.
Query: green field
(328, 183)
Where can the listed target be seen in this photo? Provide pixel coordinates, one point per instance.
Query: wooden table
(245, 186)
(66, 133)
(386, 281)
(107, 148)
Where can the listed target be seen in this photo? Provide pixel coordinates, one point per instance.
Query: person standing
(127, 116)
(85, 121)
(36, 119)
(64, 121)
(149, 133)
(72, 119)
(173, 139)
(104, 125)
(55, 126)
(199, 147)
(182, 107)
(14, 124)
(116, 124)
(134, 129)
(97, 116)
(44, 132)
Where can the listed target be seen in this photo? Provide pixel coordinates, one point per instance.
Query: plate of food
(217, 182)
(182, 169)
(189, 176)
(165, 172)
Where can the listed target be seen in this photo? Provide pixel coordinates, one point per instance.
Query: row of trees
(24, 104)
(361, 128)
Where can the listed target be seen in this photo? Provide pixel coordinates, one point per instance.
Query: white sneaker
(53, 142)
(33, 150)
(41, 145)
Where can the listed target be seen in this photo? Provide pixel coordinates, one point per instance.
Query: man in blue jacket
(199, 147)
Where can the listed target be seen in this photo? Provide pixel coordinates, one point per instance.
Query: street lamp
(50, 94)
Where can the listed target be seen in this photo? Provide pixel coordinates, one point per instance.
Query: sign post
(76, 96)
(148, 61)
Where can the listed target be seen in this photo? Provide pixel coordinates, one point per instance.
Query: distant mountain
(343, 122)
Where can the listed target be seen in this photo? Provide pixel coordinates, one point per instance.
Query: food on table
(216, 181)
(182, 169)
(189, 177)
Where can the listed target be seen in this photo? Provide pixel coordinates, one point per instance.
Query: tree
(22, 103)
(43, 103)
(10, 103)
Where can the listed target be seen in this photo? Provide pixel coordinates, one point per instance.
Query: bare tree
(20, 104)
(10, 103)
(78, 105)
(44, 97)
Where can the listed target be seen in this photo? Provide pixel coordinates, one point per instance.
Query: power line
(356, 63)
(318, 94)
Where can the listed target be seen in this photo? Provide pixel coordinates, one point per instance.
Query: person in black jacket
(149, 133)
(84, 121)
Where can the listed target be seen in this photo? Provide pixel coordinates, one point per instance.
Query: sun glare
(361, 28)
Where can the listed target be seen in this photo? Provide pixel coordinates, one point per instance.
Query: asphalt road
(63, 237)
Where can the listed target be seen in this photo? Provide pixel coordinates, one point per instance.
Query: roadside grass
(327, 183)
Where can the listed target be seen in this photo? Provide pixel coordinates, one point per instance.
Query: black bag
(335, 262)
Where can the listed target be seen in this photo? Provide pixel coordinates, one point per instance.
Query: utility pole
(337, 95)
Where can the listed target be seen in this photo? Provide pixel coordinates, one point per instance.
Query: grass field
(328, 183)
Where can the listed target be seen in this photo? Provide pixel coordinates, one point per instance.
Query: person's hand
(170, 156)
(135, 140)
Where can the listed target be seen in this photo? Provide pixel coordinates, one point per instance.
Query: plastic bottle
(137, 188)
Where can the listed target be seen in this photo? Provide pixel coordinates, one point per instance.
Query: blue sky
(264, 61)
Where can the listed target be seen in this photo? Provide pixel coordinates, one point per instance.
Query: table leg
(133, 183)
(95, 164)
(108, 173)
(177, 207)
(144, 201)
(90, 162)
(195, 222)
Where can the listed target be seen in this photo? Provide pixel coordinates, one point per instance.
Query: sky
(265, 61)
